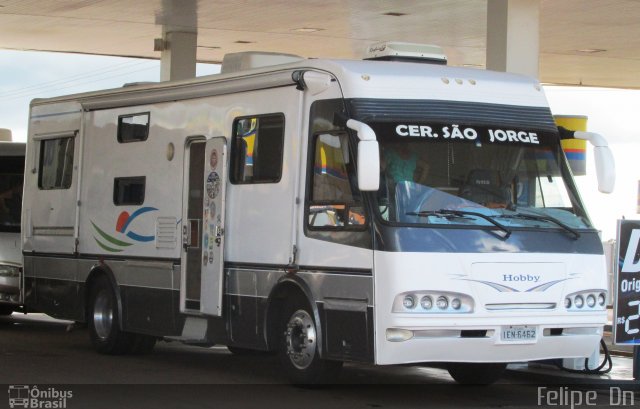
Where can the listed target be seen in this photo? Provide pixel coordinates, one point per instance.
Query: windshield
(11, 177)
(516, 177)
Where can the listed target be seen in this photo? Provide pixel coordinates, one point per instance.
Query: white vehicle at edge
(384, 212)
(11, 177)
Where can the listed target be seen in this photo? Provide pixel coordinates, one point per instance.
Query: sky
(25, 75)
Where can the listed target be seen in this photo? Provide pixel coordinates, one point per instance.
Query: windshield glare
(504, 174)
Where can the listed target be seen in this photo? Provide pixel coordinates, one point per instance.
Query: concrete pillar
(513, 36)
(178, 60)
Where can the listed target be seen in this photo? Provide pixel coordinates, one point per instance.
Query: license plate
(519, 334)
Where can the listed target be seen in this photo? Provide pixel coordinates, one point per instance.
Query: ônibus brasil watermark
(568, 398)
(34, 397)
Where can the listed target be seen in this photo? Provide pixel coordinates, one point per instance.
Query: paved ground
(37, 351)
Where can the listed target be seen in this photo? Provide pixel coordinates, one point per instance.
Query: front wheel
(476, 373)
(299, 353)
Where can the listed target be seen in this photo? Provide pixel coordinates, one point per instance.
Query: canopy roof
(588, 42)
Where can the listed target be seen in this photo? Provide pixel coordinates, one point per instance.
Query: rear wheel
(299, 353)
(104, 321)
(476, 373)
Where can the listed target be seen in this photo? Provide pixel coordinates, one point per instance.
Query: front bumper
(483, 343)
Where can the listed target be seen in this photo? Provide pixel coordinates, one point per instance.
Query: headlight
(588, 300)
(409, 302)
(456, 303)
(433, 302)
(9, 271)
(442, 303)
(426, 302)
(602, 298)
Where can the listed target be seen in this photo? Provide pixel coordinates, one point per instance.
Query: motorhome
(11, 177)
(384, 211)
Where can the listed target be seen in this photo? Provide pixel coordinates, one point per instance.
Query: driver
(403, 165)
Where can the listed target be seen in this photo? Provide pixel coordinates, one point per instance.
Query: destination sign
(453, 132)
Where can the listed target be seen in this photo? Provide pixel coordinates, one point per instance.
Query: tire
(476, 373)
(6, 310)
(104, 321)
(298, 350)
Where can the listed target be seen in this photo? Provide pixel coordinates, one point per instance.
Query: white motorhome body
(11, 178)
(225, 209)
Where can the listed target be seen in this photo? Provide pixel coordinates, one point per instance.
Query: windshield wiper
(463, 213)
(528, 216)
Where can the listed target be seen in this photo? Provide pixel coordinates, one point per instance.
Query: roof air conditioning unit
(406, 52)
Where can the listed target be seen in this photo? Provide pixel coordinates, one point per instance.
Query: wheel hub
(103, 316)
(300, 336)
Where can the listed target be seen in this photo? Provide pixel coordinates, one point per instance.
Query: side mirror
(368, 156)
(368, 166)
(605, 163)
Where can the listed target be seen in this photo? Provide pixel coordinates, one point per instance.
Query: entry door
(203, 227)
(51, 222)
(215, 179)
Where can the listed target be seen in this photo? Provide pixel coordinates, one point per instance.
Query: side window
(56, 163)
(129, 190)
(335, 201)
(133, 128)
(257, 146)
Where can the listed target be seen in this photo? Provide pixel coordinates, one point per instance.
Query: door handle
(185, 236)
(219, 234)
(191, 234)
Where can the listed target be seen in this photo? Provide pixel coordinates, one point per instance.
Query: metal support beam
(178, 61)
(636, 363)
(513, 43)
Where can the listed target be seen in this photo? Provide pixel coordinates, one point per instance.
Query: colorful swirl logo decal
(114, 244)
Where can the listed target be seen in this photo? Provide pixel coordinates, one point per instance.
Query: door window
(56, 163)
(257, 148)
(335, 201)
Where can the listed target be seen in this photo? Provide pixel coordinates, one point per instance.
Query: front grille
(521, 306)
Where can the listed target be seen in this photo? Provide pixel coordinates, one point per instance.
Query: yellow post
(575, 149)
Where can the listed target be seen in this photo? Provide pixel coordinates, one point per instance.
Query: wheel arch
(288, 287)
(102, 270)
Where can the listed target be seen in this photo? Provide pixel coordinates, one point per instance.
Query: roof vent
(234, 62)
(407, 52)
